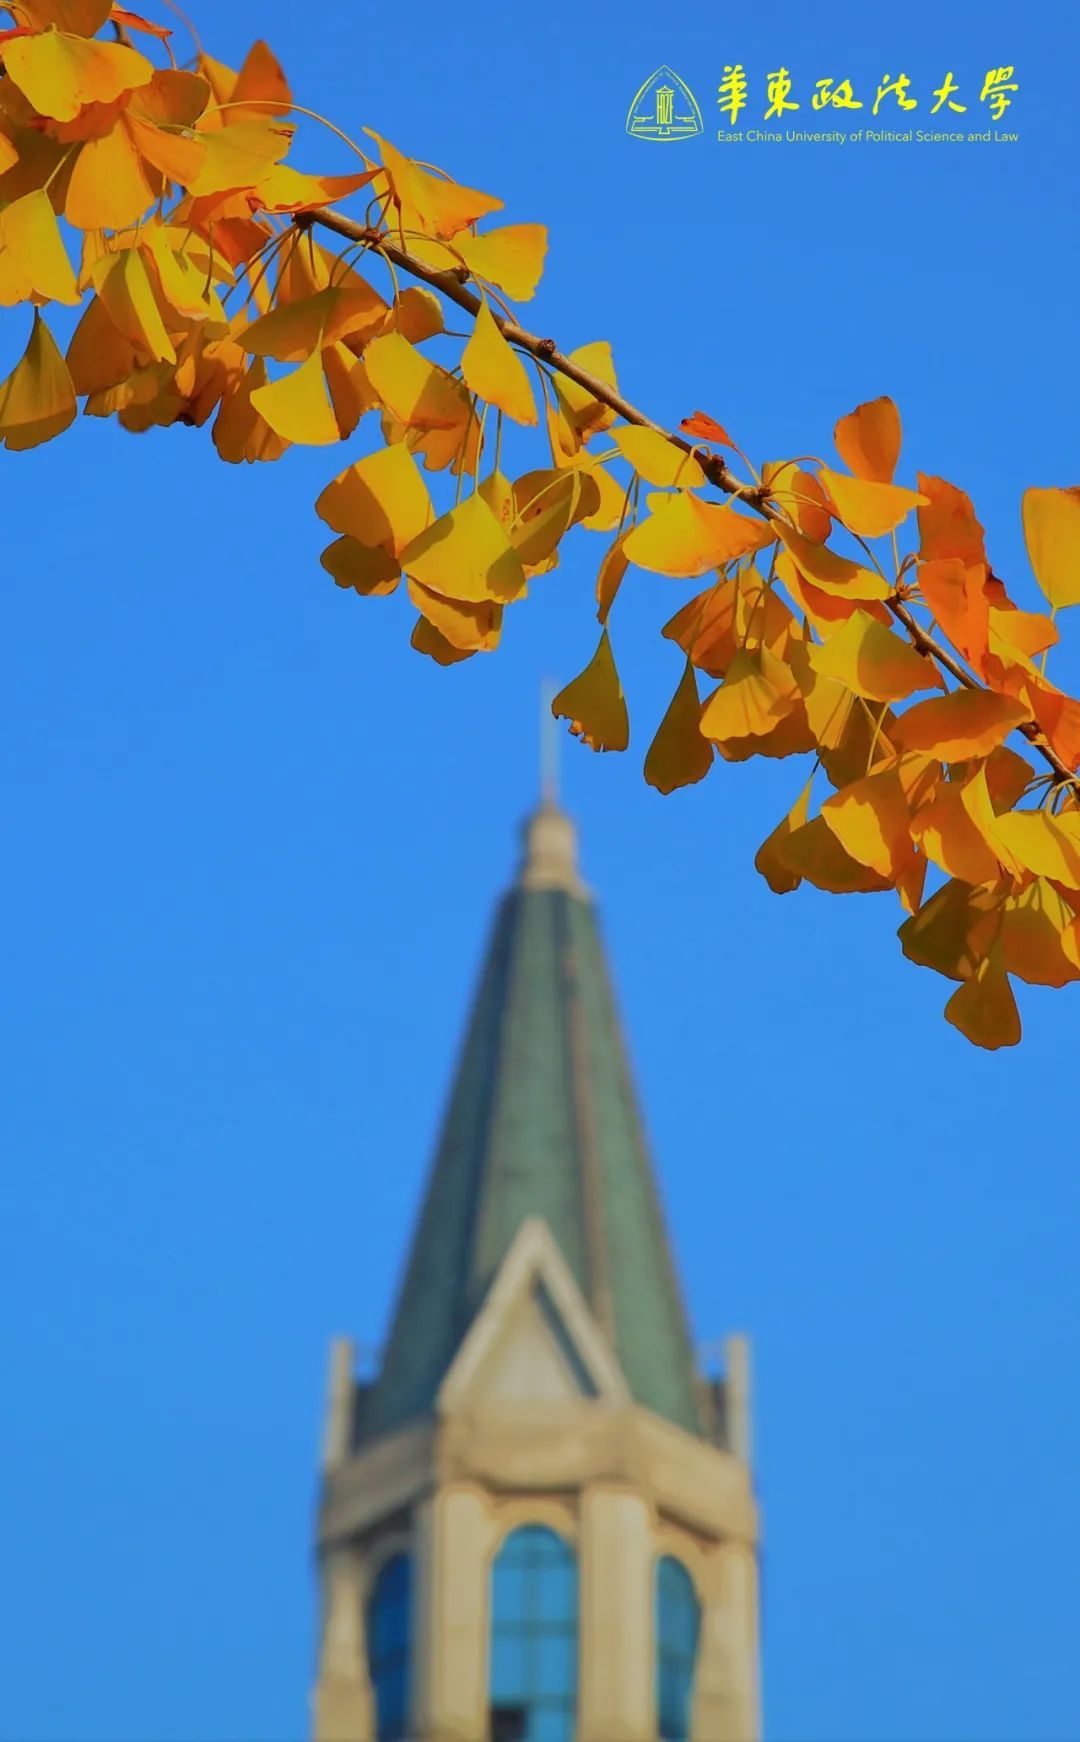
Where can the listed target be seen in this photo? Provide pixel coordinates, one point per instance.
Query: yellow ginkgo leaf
(240, 156)
(1052, 534)
(756, 694)
(984, 1008)
(442, 208)
(283, 189)
(594, 702)
(293, 330)
(470, 626)
(962, 724)
(370, 570)
(381, 500)
(658, 460)
(1042, 844)
(413, 389)
(952, 931)
(546, 504)
(418, 314)
(466, 555)
(109, 188)
(872, 661)
(867, 507)
(297, 407)
(584, 413)
(427, 639)
(769, 861)
(33, 261)
(59, 73)
(831, 572)
(685, 536)
(871, 820)
(1037, 930)
(610, 577)
(947, 835)
(37, 401)
(494, 371)
(240, 433)
(124, 286)
(868, 440)
(512, 257)
(679, 755)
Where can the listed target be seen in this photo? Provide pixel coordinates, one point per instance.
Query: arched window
(389, 1643)
(534, 1638)
(678, 1622)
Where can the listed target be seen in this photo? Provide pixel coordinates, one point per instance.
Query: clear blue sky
(252, 847)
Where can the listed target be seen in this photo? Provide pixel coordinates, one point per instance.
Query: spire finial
(549, 745)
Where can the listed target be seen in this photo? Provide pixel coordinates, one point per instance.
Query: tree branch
(452, 285)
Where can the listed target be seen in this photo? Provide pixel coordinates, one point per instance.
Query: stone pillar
(455, 1535)
(727, 1704)
(616, 1672)
(341, 1705)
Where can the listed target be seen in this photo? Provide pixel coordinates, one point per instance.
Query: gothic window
(534, 1638)
(678, 1622)
(389, 1642)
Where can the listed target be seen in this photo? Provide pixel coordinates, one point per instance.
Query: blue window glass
(389, 1642)
(678, 1623)
(534, 1638)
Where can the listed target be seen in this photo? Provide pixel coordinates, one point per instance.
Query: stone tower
(537, 1522)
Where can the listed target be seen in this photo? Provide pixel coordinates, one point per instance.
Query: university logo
(664, 109)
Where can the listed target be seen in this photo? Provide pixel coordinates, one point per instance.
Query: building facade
(537, 1522)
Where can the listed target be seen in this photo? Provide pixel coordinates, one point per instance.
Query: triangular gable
(534, 1339)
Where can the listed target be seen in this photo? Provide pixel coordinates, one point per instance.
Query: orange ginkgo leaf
(780, 877)
(829, 571)
(80, 17)
(1058, 716)
(109, 187)
(33, 260)
(381, 500)
(874, 662)
(867, 507)
(493, 370)
(984, 1008)
(594, 703)
(511, 257)
(135, 21)
(962, 724)
(37, 401)
(685, 537)
(707, 429)
(658, 460)
(59, 73)
(868, 440)
(814, 852)
(679, 755)
(297, 406)
(240, 432)
(466, 555)
(801, 495)
(956, 594)
(1052, 535)
(947, 526)
(261, 87)
(442, 208)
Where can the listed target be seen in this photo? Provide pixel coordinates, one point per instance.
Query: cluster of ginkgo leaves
(216, 283)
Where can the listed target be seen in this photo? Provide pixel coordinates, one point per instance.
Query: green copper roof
(541, 1121)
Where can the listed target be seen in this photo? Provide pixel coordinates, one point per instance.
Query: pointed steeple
(542, 1122)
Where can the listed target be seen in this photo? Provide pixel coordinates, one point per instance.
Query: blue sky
(253, 844)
